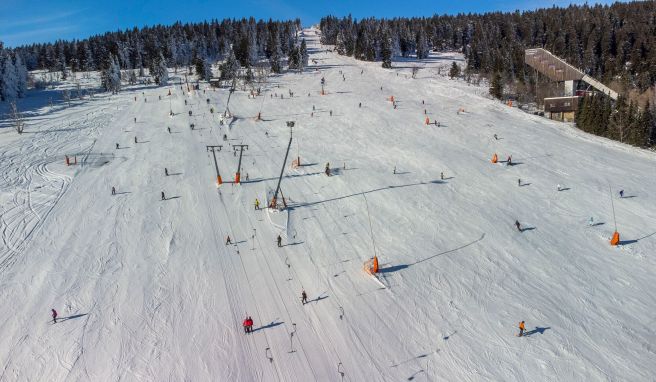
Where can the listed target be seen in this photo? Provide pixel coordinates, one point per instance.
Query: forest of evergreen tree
(179, 44)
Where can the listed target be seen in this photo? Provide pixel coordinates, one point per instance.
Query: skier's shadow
(294, 243)
(71, 317)
(536, 330)
(318, 299)
(528, 229)
(272, 324)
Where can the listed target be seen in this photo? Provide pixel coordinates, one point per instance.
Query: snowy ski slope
(149, 291)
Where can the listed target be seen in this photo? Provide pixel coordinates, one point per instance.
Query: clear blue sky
(27, 21)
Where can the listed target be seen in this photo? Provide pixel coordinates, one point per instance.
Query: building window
(566, 103)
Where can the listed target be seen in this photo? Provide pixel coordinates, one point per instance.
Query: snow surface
(149, 291)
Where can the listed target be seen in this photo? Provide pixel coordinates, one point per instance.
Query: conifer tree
(454, 71)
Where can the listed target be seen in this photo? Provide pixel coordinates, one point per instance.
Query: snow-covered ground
(149, 291)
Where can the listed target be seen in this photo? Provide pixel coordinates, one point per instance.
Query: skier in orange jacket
(521, 328)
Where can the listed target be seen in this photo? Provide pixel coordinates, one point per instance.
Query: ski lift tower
(232, 90)
(274, 200)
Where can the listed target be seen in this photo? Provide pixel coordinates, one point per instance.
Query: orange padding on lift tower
(616, 238)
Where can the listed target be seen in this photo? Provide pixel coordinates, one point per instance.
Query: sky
(29, 21)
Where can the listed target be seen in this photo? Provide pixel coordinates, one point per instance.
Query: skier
(558, 187)
(442, 175)
(113, 190)
(245, 324)
(519, 182)
(495, 137)
(591, 222)
(54, 316)
(331, 113)
(135, 119)
(185, 102)
(117, 146)
(163, 197)
(519, 227)
(279, 239)
(327, 169)
(360, 104)
(225, 137)
(521, 329)
(190, 113)
(303, 297)
(394, 171)
(135, 139)
(266, 133)
(509, 160)
(621, 193)
(166, 171)
(169, 129)
(250, 324)
(257, 204)
(228, 241)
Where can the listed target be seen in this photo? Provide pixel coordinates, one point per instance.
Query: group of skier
(248, 325)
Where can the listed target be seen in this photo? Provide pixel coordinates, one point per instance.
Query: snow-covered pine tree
(9, 81)
(110, 76)
(422, 44)
(340, 44)
(253, 55)
(304, 55)
(386, 49)
(276, 54)
(21, 77)
(203, 69)
(454, 71)
(161, 74)
(132, 79)
(496, 86)
(294, 58)
(230, 67)
(88, 63)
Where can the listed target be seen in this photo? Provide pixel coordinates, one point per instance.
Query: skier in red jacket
(245, 324)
